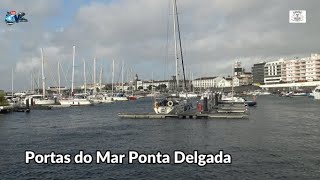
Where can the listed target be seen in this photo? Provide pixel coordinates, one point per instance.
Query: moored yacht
(120, 97)
(233, 99)
(316, 93)
(38, 99)
(13, 102)
(299, 94)
(100, 98)
(175, 104)
(172, 105)
(187, 95)
(76, 101)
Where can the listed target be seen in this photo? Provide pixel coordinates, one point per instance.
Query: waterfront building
(236, 81)
(258, 73)
(238, 69)
(216, 82)
(231, 81)
(245, 79)
(155, 84)
(272, 71)
(293, 70)
(204, 82)
(139, 84)
(173, 83)
(313, 68)
(301, 70)
(91, 86)
(124, 87)
(223, 83)
(56, 89)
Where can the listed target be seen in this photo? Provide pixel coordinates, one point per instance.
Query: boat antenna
(181, 54)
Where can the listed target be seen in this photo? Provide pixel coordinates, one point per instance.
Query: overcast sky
(214, 33)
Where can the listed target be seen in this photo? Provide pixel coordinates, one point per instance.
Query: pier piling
(205, 104)
(27, 104)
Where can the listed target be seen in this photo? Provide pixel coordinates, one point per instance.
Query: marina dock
(184, 116)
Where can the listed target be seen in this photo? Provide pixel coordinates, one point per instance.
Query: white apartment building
(293, 70)
(236, 81)
(146, 84)
(313, 67)
(223, 83)
(272, 71)
(204, 82)
(215, 82)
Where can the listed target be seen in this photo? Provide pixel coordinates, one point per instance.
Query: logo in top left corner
(297, 16)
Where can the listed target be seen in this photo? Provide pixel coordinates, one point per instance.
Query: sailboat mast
(100, 79)
(131, 76)
(59, 86)
(72, 81)
(12, 83)
(38, 85)
(200, 85)
(175, 44)
(152, 85)
(94, 75)
(31, 81)
(181, 54)
(122, 76)
(84, 77)
(112, 75)
(232, 75)
(42, 72)
(192, 82)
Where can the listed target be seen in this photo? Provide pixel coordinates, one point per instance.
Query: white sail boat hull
(75, 102)
(44, 102)
(163, 110)
(101, 99)
(115, 98)
(316, 93)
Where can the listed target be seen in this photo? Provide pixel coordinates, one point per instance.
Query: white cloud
(214, 34)
(27, 65)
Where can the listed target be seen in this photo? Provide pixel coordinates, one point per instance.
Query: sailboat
(39, 99)
(233, 99)
(98, 97)
(316, 93)
(75, 99)
(118, 96)
(174, 104)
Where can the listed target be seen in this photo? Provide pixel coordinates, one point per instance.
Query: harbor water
(280, 140)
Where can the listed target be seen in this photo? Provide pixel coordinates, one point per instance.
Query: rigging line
(53, 79)
(68, 72)
(167, 44)
(181, 54)
(102, 73)
(64, 75)
(118, 80)
(89, 71)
